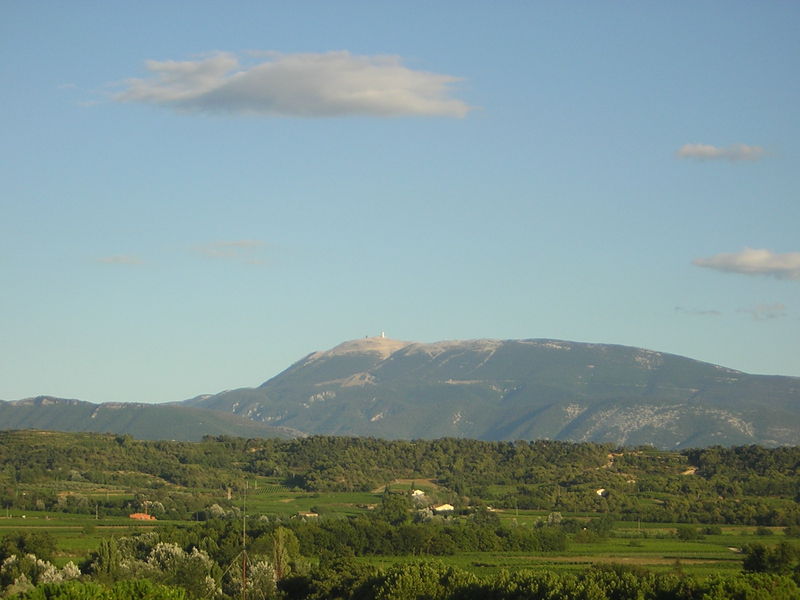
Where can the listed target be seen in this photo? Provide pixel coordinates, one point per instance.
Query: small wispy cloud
(331, 84)
(765, 312)
(246, 251)
(752, 261)
(733, 153)
(697, 312)
(120, 259)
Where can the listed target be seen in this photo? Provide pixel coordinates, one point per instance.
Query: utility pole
(243, 554)
(244, 542)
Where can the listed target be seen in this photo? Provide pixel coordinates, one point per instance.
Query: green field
(650, 545)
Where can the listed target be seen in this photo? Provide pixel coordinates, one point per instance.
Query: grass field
(76, 535)
(713, 554)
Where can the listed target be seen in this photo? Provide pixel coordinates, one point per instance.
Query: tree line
(744, 485)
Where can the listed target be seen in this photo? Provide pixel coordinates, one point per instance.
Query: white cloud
(698, 312)
(764, 312)
(247, 251)
(120, 259)
(709, 152)
(332, 84)
(751, 261)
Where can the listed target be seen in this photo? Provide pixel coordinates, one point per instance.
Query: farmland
(555, 508)
(651, 545)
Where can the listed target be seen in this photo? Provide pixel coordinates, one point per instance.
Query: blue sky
(195, 195)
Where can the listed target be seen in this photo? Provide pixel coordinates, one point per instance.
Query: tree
(395, 508)
(285, 551)
(751, 586)
(687, 533)
(28, 570)
(84, 590)
(105, 563)
(783, 558)
(260, 583)
(423, 581)
(41, 544)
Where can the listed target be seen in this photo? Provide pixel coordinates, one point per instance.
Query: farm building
(142, 517)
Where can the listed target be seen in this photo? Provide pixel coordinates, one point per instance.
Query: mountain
(521, 389)
(142, 421)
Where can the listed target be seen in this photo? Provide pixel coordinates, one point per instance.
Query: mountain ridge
(141, 420)
(526, 389)
(486, 389)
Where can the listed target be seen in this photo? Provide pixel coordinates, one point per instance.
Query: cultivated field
(650, 545)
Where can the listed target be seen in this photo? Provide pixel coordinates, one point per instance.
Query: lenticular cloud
(752, 261)
(332, 84)
(709, 152)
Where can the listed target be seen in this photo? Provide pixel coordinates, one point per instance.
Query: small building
(142, 517)
(307, 515)
(443, 508)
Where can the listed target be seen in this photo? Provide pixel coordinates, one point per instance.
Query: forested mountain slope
(142, 421)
